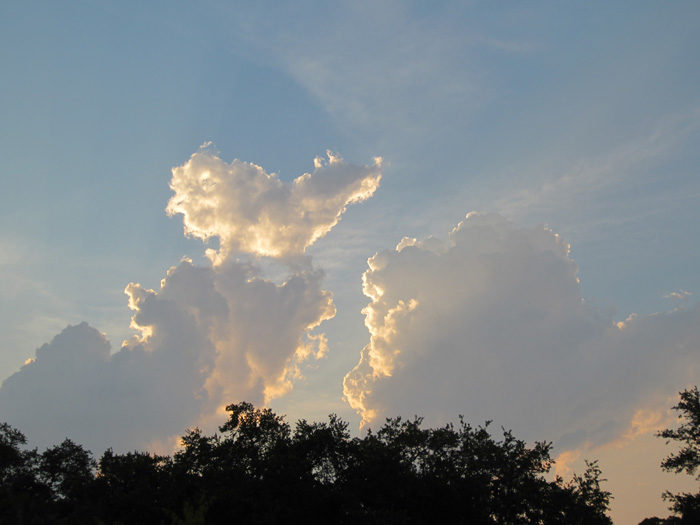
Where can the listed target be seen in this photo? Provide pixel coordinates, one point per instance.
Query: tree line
(258, 469)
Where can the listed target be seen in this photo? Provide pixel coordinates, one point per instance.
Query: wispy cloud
(373, 66)
(614, 174)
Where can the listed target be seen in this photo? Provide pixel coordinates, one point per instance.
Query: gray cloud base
(208, 337)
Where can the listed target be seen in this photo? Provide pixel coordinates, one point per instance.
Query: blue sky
(584, 117)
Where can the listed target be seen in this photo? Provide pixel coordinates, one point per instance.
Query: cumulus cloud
(491, 324)
(210, 334)
(252, 211)
(75, 388)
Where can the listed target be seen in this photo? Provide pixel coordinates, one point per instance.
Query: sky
(366, 208)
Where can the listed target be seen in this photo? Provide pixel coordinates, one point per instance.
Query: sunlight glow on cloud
(680, 295)
(210, 335)
(253, 211)
(260, 331)
(491, 324)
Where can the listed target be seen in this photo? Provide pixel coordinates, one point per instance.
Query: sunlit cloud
(491, 324)
(210, 334)
(252, 211)
(681, 298)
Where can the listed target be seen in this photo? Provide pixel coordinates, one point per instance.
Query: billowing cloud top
(252, 211)
(211, 334)
(491, 324)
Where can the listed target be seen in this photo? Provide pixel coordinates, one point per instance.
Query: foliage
(686, 506)
(688, 459)
(259, 470)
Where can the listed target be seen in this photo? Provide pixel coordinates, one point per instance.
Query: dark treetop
(260, 470)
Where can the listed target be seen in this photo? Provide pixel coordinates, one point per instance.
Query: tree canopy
(259, 469)
(686, 506)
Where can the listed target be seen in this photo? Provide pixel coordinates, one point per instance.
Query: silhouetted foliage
(259, 470)
(20, 489)
(685, 505)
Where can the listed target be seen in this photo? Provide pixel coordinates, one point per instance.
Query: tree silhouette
(21, 491)
(688, 458)
(259, 470)
(685, 505)
(67, 471)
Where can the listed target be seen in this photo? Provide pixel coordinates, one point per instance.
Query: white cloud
(252, 211)
(491, 325)
(210, 335)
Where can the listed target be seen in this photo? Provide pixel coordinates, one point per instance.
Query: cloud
(211, 334)
(680, 294)
(252, 211)
(568, 192)
(491, 324)
(74, 388)
(403, 60)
